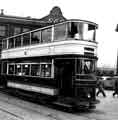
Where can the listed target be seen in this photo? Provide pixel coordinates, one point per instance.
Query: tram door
(64, 74)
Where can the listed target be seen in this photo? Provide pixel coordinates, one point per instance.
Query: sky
(102, 12)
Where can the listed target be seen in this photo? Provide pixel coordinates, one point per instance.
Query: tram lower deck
(66, 80)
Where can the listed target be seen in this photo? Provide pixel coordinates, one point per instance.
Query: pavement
(12, 108)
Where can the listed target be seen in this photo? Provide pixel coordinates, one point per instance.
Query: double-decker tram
(55, 63)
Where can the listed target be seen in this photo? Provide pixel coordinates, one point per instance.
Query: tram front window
(81, 31)
(85, 66)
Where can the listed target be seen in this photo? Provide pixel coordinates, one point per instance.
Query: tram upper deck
(69, 37)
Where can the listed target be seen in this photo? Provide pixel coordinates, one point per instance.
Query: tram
(55, 63)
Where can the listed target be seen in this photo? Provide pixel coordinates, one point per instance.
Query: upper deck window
(4, 44)
(59, 32)
(46, 35)
(81, 31)
(26, 39)
(35, 37)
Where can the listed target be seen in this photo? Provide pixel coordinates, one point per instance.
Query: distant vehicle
(109, 82)
(105, 77)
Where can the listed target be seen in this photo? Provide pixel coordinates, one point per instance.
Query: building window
(3, 30)
(17, 30)
(25, 29)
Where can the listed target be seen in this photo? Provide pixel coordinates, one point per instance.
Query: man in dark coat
(100, 86)
(115, 88)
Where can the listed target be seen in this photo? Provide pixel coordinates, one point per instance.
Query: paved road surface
(16, 109)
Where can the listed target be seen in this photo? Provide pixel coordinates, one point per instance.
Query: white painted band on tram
(44, 90)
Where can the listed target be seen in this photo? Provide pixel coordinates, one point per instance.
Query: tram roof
(84, 21)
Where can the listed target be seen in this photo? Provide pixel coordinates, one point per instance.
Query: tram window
(79, 66)
(46, 35)
(59, 32)
(35, 37)
(85, 66)
(26, 39)
(4, 67)
(18, 69)
(25, 69)
(76, 30)
(35, 70)
(79, 30)
(17, 41)
(11, 69)
(89, 32)
(88, 66)
(4, 44)
(11, 43)
(45, 70)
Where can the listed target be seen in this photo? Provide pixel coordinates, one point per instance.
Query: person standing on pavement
(100, 87)
(115, 88)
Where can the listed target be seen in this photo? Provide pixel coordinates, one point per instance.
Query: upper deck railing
(68, 30)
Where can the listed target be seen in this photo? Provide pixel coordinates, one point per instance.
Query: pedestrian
(100, 87)
(115, 87)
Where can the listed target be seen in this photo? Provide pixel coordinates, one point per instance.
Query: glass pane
(4, 67)
(35, 37)
(26, 29)
(17, 41)
(17, 30)
(3, 30)
(26, 69)
(89, 32)
(75, 30)
(11, 69)
(18, 69)
(35, 70)
(11, 43)
(88, 66)
(4, 44)
(46, 35)
(81, 31)
(85, 66)
(79, 66)
(45, 70)
(60, 32)
(26, 39)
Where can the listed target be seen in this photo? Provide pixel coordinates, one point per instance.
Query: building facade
(13, 25)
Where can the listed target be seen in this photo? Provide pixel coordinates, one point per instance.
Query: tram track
(12, 114)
